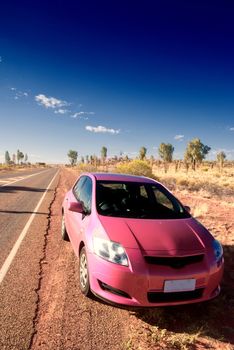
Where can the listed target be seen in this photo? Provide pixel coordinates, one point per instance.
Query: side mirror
(76, 207)
(187, 208)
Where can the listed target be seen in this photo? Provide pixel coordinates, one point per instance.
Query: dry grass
(200, 210)
(16, 167)
(83, 168)
(5, 167)
(207, 180)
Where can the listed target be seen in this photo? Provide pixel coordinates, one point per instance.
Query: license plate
(179, 285)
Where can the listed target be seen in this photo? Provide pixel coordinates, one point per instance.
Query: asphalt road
(17, 202)
(9, 176)
(20, 194)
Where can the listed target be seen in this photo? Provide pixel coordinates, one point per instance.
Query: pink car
(137, 244)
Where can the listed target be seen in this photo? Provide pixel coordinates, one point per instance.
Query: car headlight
(218, 250)
(110, 251)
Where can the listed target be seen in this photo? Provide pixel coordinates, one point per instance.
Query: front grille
(174, 262)
(160, 297)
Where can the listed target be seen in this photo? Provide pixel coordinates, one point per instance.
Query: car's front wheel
(84, 273)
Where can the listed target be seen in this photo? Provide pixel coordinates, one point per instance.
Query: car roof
(121, 177)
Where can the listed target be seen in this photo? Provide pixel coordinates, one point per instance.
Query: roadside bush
(135, 167)
(83, 168)
(182, 182)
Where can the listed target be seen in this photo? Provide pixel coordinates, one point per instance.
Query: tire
(64, 233)
(84, 274)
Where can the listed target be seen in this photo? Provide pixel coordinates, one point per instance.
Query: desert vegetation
(17, 158)
(18, 161)
(192, 173)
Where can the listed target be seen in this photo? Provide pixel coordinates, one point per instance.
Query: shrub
(135, 167)
(182, 182)
(86, 168)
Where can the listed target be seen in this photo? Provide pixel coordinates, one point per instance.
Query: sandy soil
(67, 320)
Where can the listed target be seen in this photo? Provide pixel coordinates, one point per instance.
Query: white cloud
(225, 150)
(50, 102)
(179, 137)
(101, 129)
(18, 94)
(61, 111)
(81, 114)
(232, 128)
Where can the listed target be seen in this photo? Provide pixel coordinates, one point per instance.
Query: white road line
(21, 178)
(7, 263)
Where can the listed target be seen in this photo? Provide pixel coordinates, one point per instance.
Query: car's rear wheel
(64, 233)
(84, 273)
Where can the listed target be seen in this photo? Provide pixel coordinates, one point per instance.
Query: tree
(142, 153)
(26, 158)
(221, 156)
(19, 156)
(151, 160)
(87, 159)
(7, 157)
(95, 160)
(103, 154)
(165, 152)
(13, 158)
(72, 155)
(82, 159)
(195, 152)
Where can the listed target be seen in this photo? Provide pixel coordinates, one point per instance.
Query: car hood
(167, 237)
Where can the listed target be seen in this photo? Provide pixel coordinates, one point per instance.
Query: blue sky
(121, 74)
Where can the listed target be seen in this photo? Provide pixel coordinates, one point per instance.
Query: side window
(162, 199)
(83, 191)
(143, 192)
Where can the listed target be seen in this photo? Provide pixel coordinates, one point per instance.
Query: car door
(82, 192)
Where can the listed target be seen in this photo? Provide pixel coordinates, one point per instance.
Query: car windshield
(137, 200)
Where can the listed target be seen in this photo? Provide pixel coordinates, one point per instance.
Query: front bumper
(142, 284)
